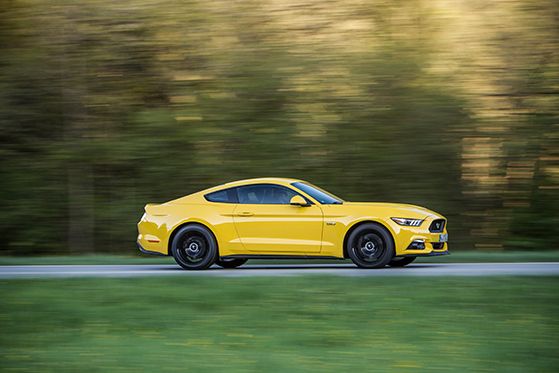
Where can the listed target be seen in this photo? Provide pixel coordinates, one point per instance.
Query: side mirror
(298, 201)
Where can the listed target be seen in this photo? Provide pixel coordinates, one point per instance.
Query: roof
(263, 180)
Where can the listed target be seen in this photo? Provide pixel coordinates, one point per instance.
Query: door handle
(245, 214)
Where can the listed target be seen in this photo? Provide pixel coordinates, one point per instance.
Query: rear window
(223, 196)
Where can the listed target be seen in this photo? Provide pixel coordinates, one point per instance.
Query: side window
(250, 194)
(223, 196)
(265, 194)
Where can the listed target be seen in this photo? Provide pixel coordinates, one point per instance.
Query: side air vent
(438, 245)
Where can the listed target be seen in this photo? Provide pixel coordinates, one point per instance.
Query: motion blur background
(108, 105)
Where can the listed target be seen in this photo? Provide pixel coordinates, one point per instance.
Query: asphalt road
(454, 269)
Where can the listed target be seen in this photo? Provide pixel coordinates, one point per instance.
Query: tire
(194, 247)
(230, 263)
(400, 262)
(370, 246)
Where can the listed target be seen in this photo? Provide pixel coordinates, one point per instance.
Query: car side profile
(278, 218)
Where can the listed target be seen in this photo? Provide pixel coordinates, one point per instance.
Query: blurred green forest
(108, 105)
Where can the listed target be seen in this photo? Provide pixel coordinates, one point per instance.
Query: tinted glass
(223, 196)
(265, 194)
(320, 195)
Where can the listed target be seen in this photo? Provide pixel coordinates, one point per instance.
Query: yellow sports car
(277, 218)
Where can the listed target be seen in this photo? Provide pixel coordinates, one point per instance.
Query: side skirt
(260, 256)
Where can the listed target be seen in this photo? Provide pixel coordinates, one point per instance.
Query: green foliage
(105, 107)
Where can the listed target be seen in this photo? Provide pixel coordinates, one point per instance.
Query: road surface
(350, 270)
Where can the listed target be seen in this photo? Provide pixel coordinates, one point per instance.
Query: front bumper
(422, 240)
(432, 253)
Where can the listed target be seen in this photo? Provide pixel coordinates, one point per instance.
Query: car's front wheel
(194, 247)
(402, 261)
(230, 263)
(370, 246)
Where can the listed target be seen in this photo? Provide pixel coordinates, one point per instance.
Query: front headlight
(408, 222)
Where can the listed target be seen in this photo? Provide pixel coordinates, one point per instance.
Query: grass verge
(293, 324)
(455, 257)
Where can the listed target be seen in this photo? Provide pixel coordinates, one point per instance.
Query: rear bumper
(149, 252)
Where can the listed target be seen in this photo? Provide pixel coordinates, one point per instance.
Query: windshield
(320, 195)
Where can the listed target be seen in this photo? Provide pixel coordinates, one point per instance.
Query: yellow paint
(274, 229)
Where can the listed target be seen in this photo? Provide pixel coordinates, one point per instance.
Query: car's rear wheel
(400, 262)
(230, 263)
(194, 247)
(370, 246)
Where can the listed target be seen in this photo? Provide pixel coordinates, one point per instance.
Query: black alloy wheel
(194, 247)
(400, 262)
(370, 246)
(230, 263)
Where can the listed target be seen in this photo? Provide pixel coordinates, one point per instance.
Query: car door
(268, 224)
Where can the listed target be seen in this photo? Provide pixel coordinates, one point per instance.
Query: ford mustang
(275, 218)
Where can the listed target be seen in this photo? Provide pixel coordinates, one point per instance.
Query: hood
(400, 210)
